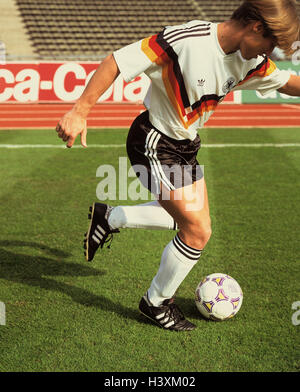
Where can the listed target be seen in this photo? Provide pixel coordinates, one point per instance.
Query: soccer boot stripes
(168, 315)
(99, 231)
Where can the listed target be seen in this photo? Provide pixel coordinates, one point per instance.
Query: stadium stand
(89, 29)
(13, 32)
(218, 10)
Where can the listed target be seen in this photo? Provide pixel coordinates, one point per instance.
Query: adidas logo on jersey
(201, 82)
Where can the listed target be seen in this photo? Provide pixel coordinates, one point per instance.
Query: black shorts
(160, 160)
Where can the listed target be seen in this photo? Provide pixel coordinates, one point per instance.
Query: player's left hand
(70, 126)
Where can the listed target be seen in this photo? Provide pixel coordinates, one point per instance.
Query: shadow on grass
(189, 309)
(37, 271)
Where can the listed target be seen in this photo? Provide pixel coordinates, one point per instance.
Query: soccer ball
(218, 297)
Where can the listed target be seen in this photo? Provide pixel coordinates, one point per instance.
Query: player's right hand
(70, 126)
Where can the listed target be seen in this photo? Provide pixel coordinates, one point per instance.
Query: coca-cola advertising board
(63, 82)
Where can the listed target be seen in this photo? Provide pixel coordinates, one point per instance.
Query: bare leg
(183, 252)
(192, 216)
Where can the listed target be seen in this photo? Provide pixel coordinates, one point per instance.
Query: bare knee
(205, 235)
(196, 234)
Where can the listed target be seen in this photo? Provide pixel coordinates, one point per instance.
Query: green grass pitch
(64, 314)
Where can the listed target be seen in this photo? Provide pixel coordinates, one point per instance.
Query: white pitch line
(251, 145)
(59, 146)
(215, 145)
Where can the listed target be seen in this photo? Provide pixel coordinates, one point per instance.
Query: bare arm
(292, 87)
(73, 122)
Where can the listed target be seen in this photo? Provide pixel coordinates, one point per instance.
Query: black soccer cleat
(99, 231)
(168, 315)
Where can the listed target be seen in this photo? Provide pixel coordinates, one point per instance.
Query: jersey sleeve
(134, 59)
(265, 78)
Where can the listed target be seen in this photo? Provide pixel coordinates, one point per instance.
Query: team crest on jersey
(201, 82)
(229, 85)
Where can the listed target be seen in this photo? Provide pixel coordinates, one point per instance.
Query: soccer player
(192, 68)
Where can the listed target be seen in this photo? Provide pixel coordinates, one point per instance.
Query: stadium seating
(89, 29)
(13, 33)
(218, 10)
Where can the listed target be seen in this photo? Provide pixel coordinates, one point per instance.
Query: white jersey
(191, 75)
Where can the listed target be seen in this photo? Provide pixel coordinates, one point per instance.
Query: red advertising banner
(64, 82)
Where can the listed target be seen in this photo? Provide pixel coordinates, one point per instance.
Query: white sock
(176, 262)
(143, 216)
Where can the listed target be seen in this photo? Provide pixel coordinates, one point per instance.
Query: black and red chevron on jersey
(191, 74)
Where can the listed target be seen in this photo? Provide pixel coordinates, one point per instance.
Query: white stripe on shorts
(151, 153)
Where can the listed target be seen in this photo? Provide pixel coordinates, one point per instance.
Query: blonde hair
(279, 18)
